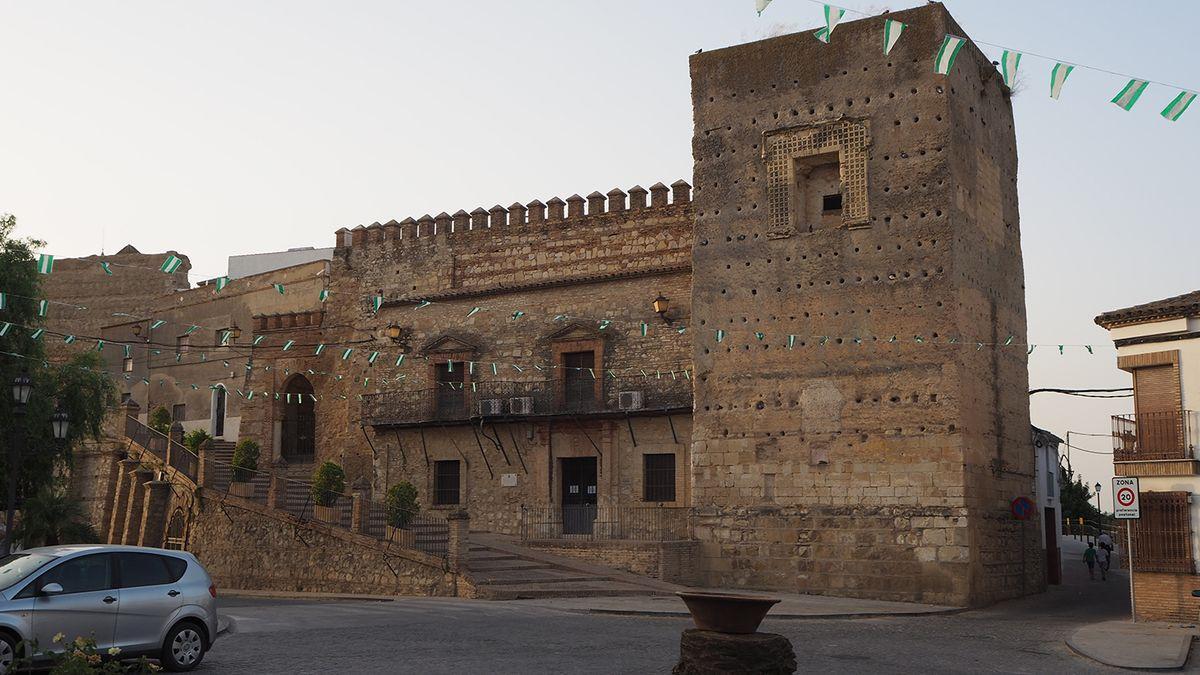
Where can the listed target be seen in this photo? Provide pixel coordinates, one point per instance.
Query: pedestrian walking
(1102, 558)
(1105, 542)
(1089, 557)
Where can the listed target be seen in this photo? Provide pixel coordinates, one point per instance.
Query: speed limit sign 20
(1125, 498)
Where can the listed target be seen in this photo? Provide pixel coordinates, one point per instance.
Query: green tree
(245, 460)
(329, 481)
(194, 438)
(401, 504)
(78, 384)
(160, 420)
(1078, 501)
(53, 517)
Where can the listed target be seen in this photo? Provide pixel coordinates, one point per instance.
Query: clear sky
(218, 128)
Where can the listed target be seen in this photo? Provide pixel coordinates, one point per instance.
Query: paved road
(464, 636)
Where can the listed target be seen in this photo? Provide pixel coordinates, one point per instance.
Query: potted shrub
(160, 420)
(245, 463)
(194, 438)
(400, 507)
(329, 480)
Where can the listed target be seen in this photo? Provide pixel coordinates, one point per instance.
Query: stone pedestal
(704, 652)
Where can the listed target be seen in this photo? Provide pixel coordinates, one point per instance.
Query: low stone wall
(1166, 597)
(245, 545)
(670, 561)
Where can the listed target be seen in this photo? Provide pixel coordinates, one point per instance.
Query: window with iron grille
(1162, 537)
(446, 482)
(658, 477)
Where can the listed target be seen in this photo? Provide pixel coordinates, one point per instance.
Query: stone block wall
(672, 562)
(1166, 597)
(870, 456)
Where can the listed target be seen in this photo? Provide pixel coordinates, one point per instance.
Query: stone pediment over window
(576, 331)
(449, 344)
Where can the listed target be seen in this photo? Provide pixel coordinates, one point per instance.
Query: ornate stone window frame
(784, 150)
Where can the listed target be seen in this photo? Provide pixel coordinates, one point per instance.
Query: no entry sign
(1125, 498)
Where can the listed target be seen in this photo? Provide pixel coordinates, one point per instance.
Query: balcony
(1157, 436)
(458, 403)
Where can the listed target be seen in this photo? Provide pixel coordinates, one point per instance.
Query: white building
(257, 263)
(1046, 493)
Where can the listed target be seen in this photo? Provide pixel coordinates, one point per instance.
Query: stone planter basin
(727, 612)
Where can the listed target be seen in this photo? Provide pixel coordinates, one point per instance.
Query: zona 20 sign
(1125, 498)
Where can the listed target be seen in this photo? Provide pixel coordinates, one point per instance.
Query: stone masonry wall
(849, 462)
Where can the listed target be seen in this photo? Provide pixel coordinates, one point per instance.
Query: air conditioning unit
(491, 406)
(520, 405)
(629, 400)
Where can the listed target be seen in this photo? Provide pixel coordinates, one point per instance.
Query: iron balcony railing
(1172, 434)
(457, 402)
(596, 523)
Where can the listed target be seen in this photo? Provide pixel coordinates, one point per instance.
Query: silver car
(144, 601)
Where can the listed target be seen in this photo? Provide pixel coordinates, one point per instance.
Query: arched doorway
(298, 432)
(176, 531)
(218, 411)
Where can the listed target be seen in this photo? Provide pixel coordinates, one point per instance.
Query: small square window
(127, 365)
(831, 202)
(181, 344)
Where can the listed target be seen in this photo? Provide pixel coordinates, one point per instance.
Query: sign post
(1127, 506)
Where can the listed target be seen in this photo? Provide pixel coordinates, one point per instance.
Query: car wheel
(8, 653)
(184, 647)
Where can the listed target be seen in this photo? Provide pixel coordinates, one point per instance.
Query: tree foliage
(329, 481)
(160, 420)
(1078, 500)
(53, 517)
(78, 385)
(245, 460)
(401, 504)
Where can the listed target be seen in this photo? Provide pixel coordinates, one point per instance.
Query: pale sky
(218, 128)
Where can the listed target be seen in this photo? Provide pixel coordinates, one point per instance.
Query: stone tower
(860, 425)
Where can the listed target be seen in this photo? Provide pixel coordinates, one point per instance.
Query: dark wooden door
(578, 494)
(579, 380)
(1053, 561)
(219, 412)
(451, 395)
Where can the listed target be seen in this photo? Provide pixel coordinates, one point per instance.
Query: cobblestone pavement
(423, 635)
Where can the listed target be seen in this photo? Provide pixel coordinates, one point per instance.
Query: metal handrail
(1166, 435)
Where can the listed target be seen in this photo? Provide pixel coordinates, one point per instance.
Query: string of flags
(1010, 61)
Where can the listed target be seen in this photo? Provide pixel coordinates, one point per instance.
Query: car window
(77, 575)
(17, 567)
(143, 569)
(175, 567)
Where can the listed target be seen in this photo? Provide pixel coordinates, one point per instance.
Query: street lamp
(60, 422)
(22, 388)
(1099, 513)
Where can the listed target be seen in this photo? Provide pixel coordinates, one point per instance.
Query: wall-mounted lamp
(137, 329)
(235, 332)
(396, 334)
(661, 305)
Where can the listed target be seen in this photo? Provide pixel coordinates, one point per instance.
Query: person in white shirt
(1102, 558)
(1105, 541)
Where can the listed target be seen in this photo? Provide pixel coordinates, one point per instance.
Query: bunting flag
(474, 311)
(1008, 66)
(1058, 77)
(645, 328)
(1129, 94)
(4, 328)
(222, 282)
(605, 323)
(560, 317)
(69, 339)
(158, 323)
(791, 342)
(45, 263)
(3, 301)
(760, 335)
(258, 339)
(320, 348)
(178, 357)
(107, 270)
(192, 329)
(43, 307)
(99, 345)
(372, 357)
(760, 5)
(944, 61)
(592, 373)
(423, 304)
(832, 16)
(494, 368)
(720, 335)
(891, 34)
(346, 354)
(323, 295)
(278, 287)
(822, 34)
(288, 345)
(517, 314)
(171, 264)
(128, 351)
(37, 334)
(400, 360)
(376, 303)
(225, 335)
(1178, 105)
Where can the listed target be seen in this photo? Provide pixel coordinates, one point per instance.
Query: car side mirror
(52, 589)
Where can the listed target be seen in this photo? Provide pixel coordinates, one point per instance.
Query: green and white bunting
(346, 354)
(645, 328)
(944, 60)
(1178, 105)
(225, 335)
(760, 5)
(376, 303)
(604, 323)
(278, 287)
(891, 34)
(69, 339)
(423, 304)
(37, 334)
(320, 348)
(1130, 93)
(372, 357)
(822, 34)
(45, 263)
(128, 351)
(43, 307)
(3, 301)
(1009, 62)
(720, 335)
(192, 329)
(107, 270)
(157, 323)
(400, 360)
(1058, 77)
(323, 295)
(474, 311)
(832, 16)
(171, 264)
(222, 282)
(4, 328)
(288, 345)
(517, 314)
(258, 339)
(99, 345)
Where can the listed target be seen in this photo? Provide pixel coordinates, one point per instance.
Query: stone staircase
(502, 570)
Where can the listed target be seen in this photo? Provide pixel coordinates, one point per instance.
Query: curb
(790, 617)
(300, 595)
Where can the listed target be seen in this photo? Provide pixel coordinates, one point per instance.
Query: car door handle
(108, 599)
(172, 592)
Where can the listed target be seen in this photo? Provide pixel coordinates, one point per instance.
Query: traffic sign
(1022, 508)
(1125, 498)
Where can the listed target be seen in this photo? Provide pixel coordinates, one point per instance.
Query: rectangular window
(579, 379)
(816, 195)
(658, 477)
(831, 203)
(446, 479)
(451, 389)
(177, 412)
(1162, 537)
(127, 365)
(181, 344)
